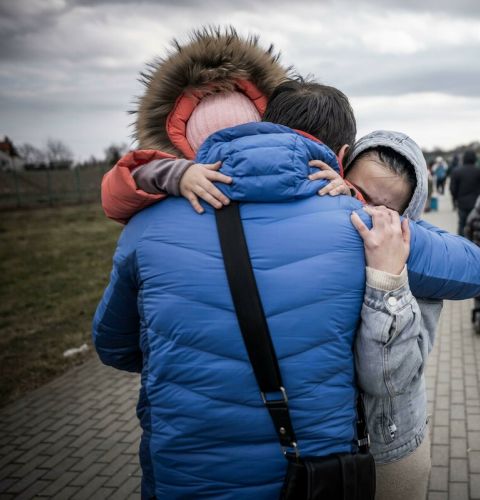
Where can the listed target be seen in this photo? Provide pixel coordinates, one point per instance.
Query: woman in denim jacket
(397, 330)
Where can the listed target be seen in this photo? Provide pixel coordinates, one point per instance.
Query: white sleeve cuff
(387, 282)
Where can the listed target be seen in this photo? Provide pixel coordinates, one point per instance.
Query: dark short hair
(469, 157)
(393, 161)
(317, 109)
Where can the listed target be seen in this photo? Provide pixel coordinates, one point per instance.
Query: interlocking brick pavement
(73, 438)
(77, 437)
(454, 394)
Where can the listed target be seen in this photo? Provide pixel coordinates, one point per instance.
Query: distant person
(428, 204)
(472, 232)
(465, 187)
(454, 163)
(440, 173)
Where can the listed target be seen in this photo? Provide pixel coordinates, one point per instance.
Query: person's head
(383, 177)
(192, 80)
(388, 168)
(469, 157)
(218, 111)
(317, 109)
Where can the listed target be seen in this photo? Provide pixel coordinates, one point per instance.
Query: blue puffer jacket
(168, 313)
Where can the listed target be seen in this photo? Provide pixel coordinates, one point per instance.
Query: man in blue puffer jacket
(168, 314)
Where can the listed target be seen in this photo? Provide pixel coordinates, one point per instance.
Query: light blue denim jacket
(393, 341)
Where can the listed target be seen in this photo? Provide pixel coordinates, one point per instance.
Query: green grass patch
(54, 265)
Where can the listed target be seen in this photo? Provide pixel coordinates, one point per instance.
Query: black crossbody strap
(363, 436)
(252, 322)
(255, 332)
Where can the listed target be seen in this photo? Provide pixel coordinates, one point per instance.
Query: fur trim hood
(214, 60)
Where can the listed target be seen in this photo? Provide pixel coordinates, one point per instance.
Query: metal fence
(31, 188)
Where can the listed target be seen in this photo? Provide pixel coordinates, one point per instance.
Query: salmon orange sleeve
(121, 199)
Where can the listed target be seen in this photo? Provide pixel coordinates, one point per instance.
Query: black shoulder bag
(342, 476)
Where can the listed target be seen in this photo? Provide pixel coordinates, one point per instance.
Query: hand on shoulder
(197, 182)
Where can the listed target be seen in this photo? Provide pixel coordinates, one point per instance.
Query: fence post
(49, 187)
(77, 182)
(17, 188)
(102, 169)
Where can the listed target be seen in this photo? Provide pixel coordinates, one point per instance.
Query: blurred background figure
(439, 171)
(454, 163)
(465, 187)
(472, 232)
(428, 204)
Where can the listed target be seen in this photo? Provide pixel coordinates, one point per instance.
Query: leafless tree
(114, 152)
(59, 155)
(34, 157)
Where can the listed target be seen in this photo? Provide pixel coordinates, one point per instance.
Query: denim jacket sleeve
(393, 340)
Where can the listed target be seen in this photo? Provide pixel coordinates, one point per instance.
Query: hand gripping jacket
(212, 61)
(168, 313)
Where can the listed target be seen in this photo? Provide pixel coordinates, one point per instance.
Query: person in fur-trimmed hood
(219, 75)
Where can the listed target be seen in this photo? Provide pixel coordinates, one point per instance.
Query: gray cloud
(450, 72)
(455, 8)
(73, 58)
(459, 7)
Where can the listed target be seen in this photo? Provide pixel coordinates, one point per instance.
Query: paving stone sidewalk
(77, 437)
(454, 394)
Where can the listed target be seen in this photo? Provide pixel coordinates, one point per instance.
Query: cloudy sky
(69, 68)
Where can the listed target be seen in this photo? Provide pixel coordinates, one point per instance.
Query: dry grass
(54, 265)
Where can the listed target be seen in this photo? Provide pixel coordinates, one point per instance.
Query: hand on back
(387, 244)
(197, 182)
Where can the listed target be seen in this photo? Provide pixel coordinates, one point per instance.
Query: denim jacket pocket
(388, 426)
(400, 370)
